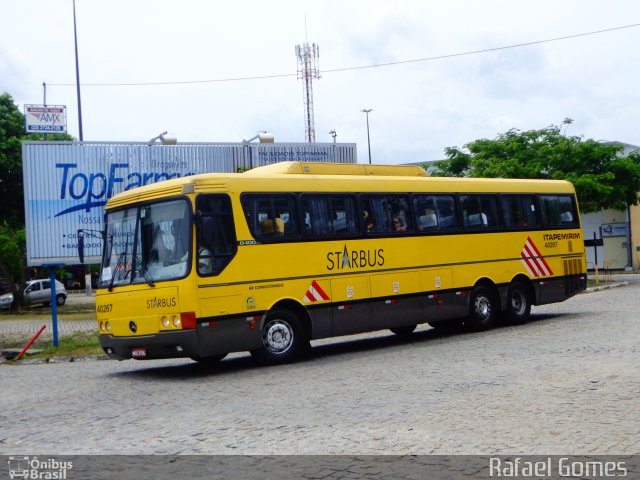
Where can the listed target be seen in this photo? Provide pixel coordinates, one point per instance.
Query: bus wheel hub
(278, 336)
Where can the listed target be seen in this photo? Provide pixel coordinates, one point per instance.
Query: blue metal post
(54, 303)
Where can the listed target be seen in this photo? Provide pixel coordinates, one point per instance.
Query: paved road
(565, 383)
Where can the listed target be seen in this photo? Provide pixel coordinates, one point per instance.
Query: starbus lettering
(161, 302)
(347, 259)
(94, 189)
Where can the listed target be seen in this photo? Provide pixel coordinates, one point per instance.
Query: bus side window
(471, 212)
(329, 215)
(518, 211)
(479, 211)
(446, 210)
(425, 208)
(558, 211)
(386, 213)
(271, 216)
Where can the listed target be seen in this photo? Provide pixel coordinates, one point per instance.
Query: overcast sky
(419, 108)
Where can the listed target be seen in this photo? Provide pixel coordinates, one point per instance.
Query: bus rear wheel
(518, 303)
(448, 326)
(482, 309)
(283, 338)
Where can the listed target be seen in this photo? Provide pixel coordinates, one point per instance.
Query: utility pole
(75, 37)
(366, 111)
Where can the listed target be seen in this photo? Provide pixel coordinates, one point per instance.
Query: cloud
(419, 108)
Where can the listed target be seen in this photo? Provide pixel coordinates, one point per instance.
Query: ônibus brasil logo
(38, 469)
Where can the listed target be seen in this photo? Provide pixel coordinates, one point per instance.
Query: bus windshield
(147, 244)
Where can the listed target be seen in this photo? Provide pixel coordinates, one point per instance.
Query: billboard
(45, 118)
(67, 184)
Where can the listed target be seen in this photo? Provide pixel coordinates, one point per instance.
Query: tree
(11, 131)
(12, 254)
(602, 178)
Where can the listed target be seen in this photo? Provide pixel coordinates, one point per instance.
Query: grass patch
(75, 345)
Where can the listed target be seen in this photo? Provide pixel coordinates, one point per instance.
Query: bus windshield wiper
(147, 276)
(121, 260)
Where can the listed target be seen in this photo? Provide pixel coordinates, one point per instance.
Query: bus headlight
(177, 322)
(165, 322)
(108, 326)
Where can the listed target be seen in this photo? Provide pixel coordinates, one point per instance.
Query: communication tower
(308, 70)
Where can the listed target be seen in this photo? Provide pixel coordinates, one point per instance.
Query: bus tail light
(188, 320)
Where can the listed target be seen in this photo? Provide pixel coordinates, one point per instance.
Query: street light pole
(366, 112)
(75, 38)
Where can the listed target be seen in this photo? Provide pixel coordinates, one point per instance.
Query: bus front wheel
(210, 360)
(482, 309)
(283, 338)
(403, 331)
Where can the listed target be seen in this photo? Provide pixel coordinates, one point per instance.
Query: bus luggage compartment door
(439, 299)
(396, 299)
(352, 306)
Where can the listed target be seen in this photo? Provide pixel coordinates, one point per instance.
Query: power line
(360, 67)
(475, 52)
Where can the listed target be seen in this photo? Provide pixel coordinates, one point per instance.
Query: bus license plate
(138, 352)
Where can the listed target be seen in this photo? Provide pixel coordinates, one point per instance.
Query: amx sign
(45, 118)
(67, 184)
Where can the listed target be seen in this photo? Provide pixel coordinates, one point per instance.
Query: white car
(6, 300)
(39, 291)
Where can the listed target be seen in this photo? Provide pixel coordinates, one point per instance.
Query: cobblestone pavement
(29, 326)
(565, 383)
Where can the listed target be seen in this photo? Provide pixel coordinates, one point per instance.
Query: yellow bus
(267, 260)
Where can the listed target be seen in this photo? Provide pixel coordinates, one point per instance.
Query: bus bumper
(183, 343)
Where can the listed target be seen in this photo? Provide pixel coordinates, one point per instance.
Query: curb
(64, 359)
(606, 287)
